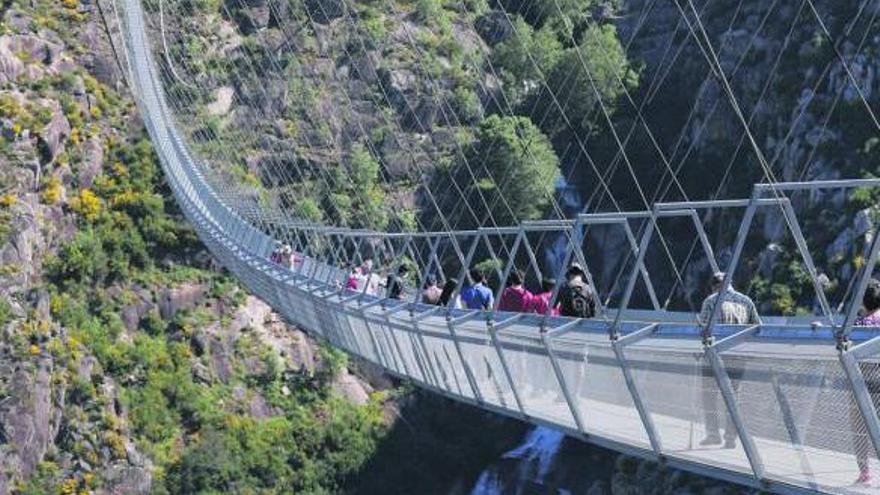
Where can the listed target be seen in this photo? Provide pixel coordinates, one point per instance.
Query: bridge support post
(741, 236)
(467, 368)
(493, 334)
(794, 434)
(414, 320)
(634, 274)
(563, 385)
(727, 393)
(397, 347)
(618, 346)
(450, 323)
(856, 301)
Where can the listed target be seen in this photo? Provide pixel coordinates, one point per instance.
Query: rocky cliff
(121, 341)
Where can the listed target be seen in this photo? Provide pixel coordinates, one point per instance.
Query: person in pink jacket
(353, 276)
(515, 297)
(541, 301)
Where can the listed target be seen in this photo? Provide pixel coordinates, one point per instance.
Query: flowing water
(523, 469)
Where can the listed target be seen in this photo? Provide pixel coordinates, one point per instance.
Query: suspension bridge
(639, 378)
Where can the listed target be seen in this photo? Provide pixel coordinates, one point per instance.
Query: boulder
(220, 361)
(250, 20)
(27, 417)
(842, 245)
(202, 374)
(54, 135)
(124, 478)
(38, 48)
(348, 386)
(257, 407)
(768, 258)
(184, 297)
(863, 221)
(92, 163)
(418, 109)
(11, 67)
(134, 312)
(222, 101)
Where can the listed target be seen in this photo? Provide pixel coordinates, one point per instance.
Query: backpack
(578, 300)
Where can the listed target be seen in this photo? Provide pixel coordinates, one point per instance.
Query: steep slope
(125, 354)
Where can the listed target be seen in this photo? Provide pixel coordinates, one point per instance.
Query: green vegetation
(124, 224)
(520, 170)
(591, 74)
(129, 248)
(558, 12)
(526, 59)
(199, 440)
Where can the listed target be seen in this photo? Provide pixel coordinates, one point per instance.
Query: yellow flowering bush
(52, 190)
(86, 204)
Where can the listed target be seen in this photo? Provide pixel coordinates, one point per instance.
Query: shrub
(81, 260)
(86, 204)
(52, 190)
(6, 313)
(7, 200)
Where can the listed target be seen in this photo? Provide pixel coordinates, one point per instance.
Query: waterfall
(571, 204)
(532, 461)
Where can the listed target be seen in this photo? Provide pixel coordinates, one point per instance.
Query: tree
(539, 14)
(593, 73)
(514, 168)
(526, 58)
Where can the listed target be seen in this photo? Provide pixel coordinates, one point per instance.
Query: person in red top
(353, 276)
(515, 297)
(541, 301)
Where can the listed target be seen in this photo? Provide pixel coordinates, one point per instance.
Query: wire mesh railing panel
(533, 375)
(803, 416)
(360, 336)
(593, 374)
(443, 354)
(778, 401)
(488, 372)
(680, 392)
(398, 337)
(389, 352)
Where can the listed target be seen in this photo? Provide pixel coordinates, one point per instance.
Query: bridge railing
(797, 410)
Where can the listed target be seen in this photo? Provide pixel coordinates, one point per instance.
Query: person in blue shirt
(477, 295)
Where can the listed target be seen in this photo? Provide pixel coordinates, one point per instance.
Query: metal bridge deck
(791, 396)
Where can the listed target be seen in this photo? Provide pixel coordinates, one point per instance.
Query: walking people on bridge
(286, 256)
(353, 276)
(396, 283)
(871, 372)
(736, 309)
(515, 297)
(541, 302)
(275, 255)
(477, 295)
(577, 299)
(369, 281)
(447, 293)
(432, 292)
